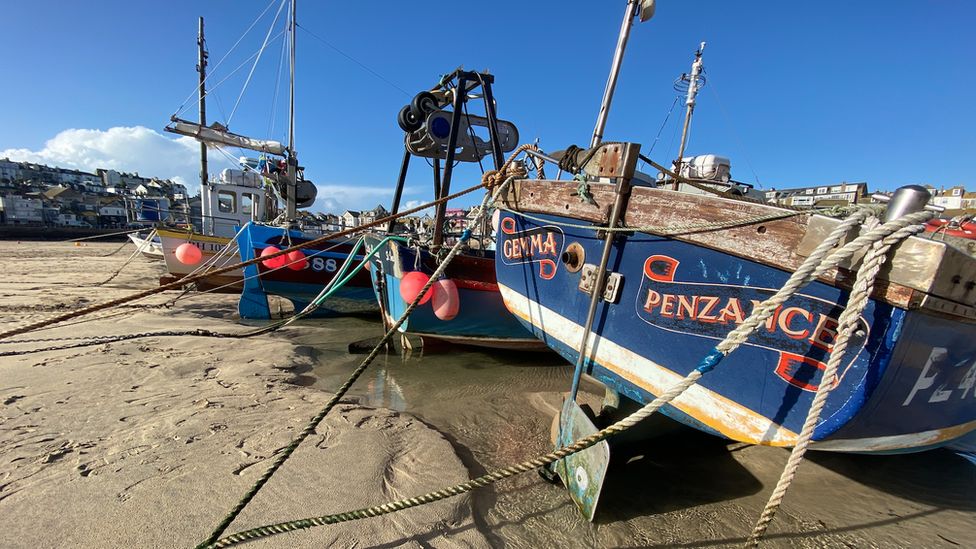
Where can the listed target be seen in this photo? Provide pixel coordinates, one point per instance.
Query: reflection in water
(382, 391)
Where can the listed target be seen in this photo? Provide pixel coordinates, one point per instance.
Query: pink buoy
(274, 262)
(411, 284)
(188, 254)
(495, 218)
(446, 301)
(296, 260)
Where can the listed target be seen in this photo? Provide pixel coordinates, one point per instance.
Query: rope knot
(493, 178)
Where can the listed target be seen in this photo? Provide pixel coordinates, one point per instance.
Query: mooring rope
(146, 244)
(338, 281)
(846, 324)
(818, 262)
(311, 426)
(183, 281)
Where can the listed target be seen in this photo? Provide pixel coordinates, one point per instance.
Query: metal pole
(496, 147)
(399, 189)
(618, 56)
(459, 93)
(696, 67)
(623, 191)
(202, 69)
(292, 174)
(437, 178)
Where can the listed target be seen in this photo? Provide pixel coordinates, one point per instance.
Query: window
(227, 202)
(247, 203)
(822, 190)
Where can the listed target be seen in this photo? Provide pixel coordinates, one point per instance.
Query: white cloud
(153, 154)
(411, 204)
(130, 149)
(339, 198)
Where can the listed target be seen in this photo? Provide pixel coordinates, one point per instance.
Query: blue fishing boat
(481, 319)
(318, 267)
(438, 127)
(637, 281)
(908, 376)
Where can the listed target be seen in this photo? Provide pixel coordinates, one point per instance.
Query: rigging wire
(183, 106)
(356, 61)
(256, 61)
(232, 73)
(274, 99)
(674, 138)
(663, 124)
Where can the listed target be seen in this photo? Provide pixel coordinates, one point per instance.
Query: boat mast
(644, 8)
(292, 183)
(202, 69)
(696, 68)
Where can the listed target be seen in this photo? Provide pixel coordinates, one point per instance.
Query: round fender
(274, 262)
(188, 254)
(446, 301)
(411, 284)
(296, 260)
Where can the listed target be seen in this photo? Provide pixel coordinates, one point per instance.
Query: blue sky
(798, 93)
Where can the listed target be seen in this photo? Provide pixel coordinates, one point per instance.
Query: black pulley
(423, 104)
(408, 120)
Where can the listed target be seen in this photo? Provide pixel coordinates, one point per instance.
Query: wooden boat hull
(482, 319)
(299, 287)
(907, 379)
(211, 246)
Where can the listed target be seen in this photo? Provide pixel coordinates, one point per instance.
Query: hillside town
(47, 196)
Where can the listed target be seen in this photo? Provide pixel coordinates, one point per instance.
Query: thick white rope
(847, 323)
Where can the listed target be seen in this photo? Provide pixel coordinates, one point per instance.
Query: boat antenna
(202, 69)
(645, 10)
(691, 83)
(292, 161)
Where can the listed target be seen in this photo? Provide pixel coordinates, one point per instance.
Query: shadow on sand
(679, 469)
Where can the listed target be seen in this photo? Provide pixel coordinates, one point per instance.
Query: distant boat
(961, 227)
(241, 216)
(300, 286)
(148, 244)
(237, 198)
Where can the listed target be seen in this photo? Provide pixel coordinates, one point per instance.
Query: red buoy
(188, 254)
(411, 284)
(274, 262)
(446, 301)
(296, 260)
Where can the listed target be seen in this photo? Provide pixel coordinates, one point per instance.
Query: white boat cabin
(237, 198)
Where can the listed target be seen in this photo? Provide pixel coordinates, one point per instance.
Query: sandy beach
(149, 442)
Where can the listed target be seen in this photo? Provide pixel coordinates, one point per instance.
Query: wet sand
(149, 442)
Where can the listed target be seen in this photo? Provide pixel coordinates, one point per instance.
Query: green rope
(313, 424)
(457, 489)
